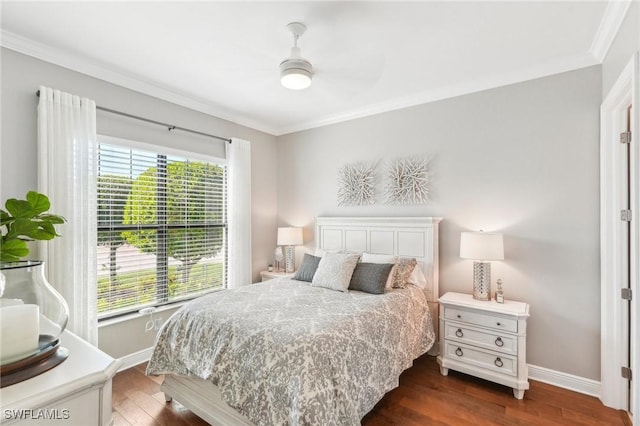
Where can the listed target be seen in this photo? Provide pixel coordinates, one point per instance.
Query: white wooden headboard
(399, 236)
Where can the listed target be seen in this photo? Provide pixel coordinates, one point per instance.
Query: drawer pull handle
(499, 342)
(459, 333)
(459, 352)
(498, 324)
(498, 362)
(459, 316)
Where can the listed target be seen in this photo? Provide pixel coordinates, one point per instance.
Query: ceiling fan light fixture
(295, 71)
(295, 74)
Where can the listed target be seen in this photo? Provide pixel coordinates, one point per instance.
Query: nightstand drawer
(481, 319)
(487, 360)
(498, 342)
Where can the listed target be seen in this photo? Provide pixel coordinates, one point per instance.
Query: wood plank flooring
(424, 397)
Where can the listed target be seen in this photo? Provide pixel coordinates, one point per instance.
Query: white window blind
(161, 228)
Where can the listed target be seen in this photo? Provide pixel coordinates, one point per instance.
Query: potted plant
(26, 220)
(35, 312)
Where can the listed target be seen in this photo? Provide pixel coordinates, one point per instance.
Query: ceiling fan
(295, 71)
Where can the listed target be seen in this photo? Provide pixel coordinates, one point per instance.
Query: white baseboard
(565, 380)
(135, 358)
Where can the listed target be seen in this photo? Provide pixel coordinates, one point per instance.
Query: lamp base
(482, 281)
(289, 259)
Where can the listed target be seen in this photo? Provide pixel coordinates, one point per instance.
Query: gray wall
(21, 76)
(521, 159)
(626, 43)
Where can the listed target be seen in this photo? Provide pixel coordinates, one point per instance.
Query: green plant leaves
(52, 218)
(4, 217)
(13, 250)
(19, 208)
(39, 202)
(24, 221)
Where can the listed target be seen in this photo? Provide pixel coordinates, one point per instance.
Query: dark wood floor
(424, 397)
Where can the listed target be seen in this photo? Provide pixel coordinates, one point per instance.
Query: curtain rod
(169, 127)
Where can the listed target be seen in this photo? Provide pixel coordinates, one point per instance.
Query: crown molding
(104, 72)
(610, 24)
(557, 66)
(137, 83)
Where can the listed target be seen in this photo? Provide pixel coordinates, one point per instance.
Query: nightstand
(485, 339)
(266, 275)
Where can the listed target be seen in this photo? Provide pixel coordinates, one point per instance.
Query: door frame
(613, 388)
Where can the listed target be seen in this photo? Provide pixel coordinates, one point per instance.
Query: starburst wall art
(356, 184)
(407, 181)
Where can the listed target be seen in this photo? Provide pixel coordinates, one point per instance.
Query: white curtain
(239, 212)
(67, 145)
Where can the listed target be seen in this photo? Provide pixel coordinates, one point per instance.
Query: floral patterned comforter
(285, 353)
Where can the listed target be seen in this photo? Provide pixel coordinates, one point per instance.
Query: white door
(627, 264)
(620, 239)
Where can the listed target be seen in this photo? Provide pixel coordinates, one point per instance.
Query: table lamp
(481, 247)
(289, 237)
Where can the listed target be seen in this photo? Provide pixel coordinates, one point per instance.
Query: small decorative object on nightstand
(499, 293)
(481, 247)
(269, 275)
(485, 339)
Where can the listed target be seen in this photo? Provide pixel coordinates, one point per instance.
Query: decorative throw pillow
(307, 268)
(382, 258)
(335, 270)
(417, 277)
(403, 271)
(370, 277)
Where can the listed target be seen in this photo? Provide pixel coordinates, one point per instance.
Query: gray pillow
(370, 277)
(307, 269)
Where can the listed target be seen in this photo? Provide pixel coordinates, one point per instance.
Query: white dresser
(485, 339)
(76, 392)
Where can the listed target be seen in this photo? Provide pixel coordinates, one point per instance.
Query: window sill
(134, 315)
(158, 310)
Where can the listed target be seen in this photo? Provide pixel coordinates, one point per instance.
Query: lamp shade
(481, 246)
(289, 236)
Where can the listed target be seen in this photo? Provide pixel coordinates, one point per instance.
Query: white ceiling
(222, 57)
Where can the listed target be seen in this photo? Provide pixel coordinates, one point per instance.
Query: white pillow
(382, 258)
(417, 277)
(378, 258)
(335, 270)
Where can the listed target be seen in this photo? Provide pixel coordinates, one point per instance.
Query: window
(161, 226)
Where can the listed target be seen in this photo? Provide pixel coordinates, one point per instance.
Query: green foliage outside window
(190, 193)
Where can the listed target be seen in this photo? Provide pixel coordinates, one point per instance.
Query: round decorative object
(33, 316)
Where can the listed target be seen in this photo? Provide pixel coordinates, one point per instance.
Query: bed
(286, 352)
